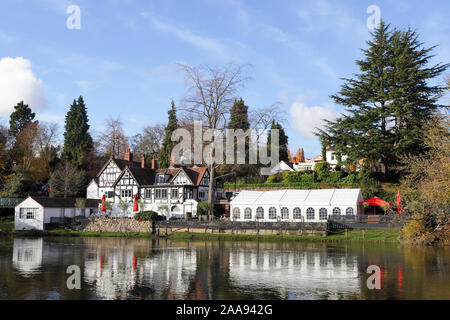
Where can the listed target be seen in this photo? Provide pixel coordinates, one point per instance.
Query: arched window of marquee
(236, 213)
(248, 213)
(350, 211)
(310, 214)
(284, 213)
(323, 214)
(297, 213)
(272, 213)
(336, 211)
(260, 213)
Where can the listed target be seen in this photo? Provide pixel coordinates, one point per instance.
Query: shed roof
(47, 202)
(310, 197)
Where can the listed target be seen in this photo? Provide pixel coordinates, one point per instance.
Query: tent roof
(311, 197)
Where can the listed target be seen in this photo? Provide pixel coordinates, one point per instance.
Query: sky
(122, 55)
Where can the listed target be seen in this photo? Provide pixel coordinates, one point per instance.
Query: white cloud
(17, 83)
(306, 119)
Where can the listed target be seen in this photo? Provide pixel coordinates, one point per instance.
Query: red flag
(102, 208)
(399, 203)
(135, 207)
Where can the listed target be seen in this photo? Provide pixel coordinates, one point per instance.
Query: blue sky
(123, 58)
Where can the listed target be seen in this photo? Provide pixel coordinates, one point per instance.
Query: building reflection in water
(114, 268)
(295, 274)
(27, 255)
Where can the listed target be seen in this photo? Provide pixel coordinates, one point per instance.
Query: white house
(34, 213)
(295, 205)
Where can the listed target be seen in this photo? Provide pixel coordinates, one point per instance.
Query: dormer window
(160, 178)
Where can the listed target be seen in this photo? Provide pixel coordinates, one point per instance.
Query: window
(148, 193)
(350, 211)
(174, 193)
(297, 213)
(28, 213)
(248, 214)
(260, 213)
(187, 193)
(272, 213)
(236, 213)
(110, 194)
(336, 211)
(323, 213)
(284, 213)
(310, 214)
(201, 194)
(161, 193)
(127, 193)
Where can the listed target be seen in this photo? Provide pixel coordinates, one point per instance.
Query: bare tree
(262, 119)
(210, 96)
(149, 141)
(113, 140)
(67, 181)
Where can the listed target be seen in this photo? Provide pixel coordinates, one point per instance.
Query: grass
(6, 225)
(378, 236)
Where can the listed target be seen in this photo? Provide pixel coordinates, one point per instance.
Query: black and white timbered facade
(170, 192)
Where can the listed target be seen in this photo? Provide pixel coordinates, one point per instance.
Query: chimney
(143, 161)
(128, 155)
(154, 162)
(172, 160)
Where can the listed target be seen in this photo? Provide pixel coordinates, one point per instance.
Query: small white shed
(295, 205)
(34, 213)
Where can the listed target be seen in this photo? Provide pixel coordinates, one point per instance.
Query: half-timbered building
(172, 192)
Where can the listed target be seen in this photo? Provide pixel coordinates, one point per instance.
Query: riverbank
(375, 236)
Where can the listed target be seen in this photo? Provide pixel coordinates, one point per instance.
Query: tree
(68, 181)
(20, 118)
(113, 140)
(77, 139)
(148, 142)
(167, 145)
(388, 103)
(238, 121)
(283, 141)
(211, 94)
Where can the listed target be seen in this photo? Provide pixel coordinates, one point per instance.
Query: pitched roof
(124, 163)
(196, 174)
(324, 197)
(48, 202)
(143, 176)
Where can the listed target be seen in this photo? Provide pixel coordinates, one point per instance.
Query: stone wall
(117, 225)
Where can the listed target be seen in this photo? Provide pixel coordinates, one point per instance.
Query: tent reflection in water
(376, 204)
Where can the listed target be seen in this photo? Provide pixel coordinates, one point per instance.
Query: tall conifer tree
(168, 144)
(77, 139)
(20, 118)
(283, 142)
(387, 103)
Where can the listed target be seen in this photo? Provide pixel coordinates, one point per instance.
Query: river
(140, 268)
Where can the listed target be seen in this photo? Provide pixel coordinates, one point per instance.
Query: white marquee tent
(294, 205)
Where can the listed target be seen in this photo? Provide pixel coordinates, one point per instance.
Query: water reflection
(157, 269)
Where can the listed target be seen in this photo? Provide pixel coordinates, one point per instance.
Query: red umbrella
(376, 202)
(135, 207)
(102, 208)
(399, 203)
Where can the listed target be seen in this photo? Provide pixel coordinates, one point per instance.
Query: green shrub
(322, 169)
(203, 207)
(333, 177)
(350, 179)
(148, 216)
(275, 178)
